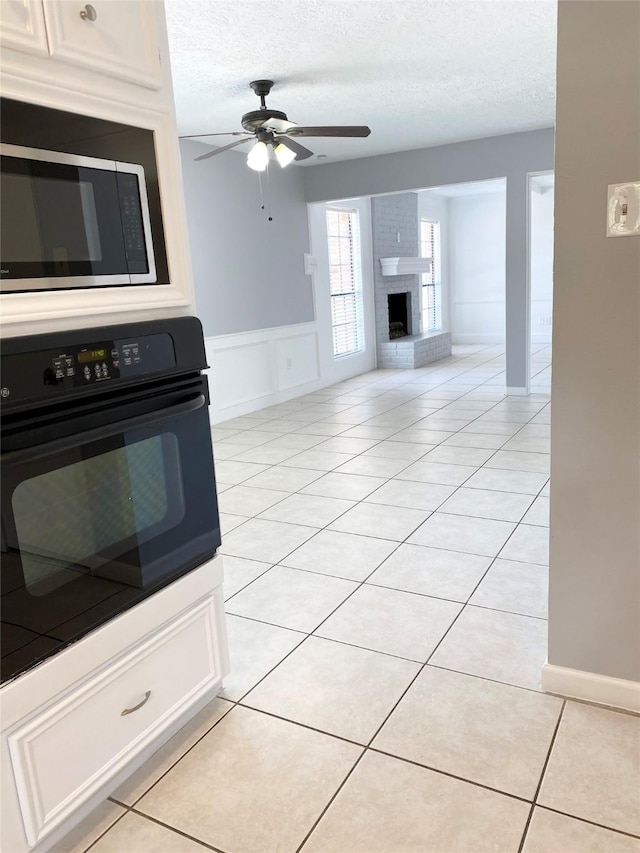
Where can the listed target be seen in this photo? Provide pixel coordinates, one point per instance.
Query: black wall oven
(108, 485)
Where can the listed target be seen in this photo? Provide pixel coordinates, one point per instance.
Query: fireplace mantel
(405, 266)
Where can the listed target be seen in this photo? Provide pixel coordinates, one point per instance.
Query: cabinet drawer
(63, 755)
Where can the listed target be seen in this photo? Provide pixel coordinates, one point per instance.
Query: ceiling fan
(272, 128)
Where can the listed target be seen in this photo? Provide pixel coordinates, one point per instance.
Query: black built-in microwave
(69, 221)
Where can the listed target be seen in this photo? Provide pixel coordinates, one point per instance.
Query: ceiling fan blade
(220, 150)
(278, 125)
(346, 130)
(229, 133)
(300, 151)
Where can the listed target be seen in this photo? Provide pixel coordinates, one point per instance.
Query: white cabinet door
(22, 26)
(117, 38)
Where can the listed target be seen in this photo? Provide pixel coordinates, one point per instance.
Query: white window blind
(431, 282)
(345, 280)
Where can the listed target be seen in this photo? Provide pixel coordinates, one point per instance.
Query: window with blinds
(345, 280)
(431, 282)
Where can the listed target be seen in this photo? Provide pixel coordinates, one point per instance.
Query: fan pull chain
(262, 200)
(260, 184)
(269, 217)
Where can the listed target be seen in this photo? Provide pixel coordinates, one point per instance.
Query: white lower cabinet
(63, 754)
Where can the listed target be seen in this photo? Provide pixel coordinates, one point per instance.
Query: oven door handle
(38, 451)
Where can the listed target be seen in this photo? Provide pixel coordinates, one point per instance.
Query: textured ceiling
(418, 72)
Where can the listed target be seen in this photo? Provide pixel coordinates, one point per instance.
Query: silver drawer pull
(138, 706)
(88, 13)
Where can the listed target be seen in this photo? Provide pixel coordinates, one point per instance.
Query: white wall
(477, 247)
(436, 208)
(541, 259)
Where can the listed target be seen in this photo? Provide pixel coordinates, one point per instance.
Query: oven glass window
(78, 519)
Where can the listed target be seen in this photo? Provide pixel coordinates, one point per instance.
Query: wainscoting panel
(541, 317)
(297, 361)
(477, 321)
(241, 374)
(251, 370)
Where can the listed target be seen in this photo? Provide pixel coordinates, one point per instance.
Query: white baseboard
(517, 391)
(475, 338)
(592, 687)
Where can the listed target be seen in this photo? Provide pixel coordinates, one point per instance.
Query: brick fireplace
(395, 233)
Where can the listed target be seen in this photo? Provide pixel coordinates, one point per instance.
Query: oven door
(95, 520)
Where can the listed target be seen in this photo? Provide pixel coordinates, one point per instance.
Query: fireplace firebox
(399, 305)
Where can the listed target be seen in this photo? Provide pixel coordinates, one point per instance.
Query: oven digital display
(91, 355)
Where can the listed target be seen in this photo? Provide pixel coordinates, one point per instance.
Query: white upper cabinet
(117, 38)
(22, 26)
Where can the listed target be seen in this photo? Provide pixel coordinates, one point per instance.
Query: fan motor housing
(255, 119)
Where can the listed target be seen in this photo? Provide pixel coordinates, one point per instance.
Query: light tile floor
(386, 583)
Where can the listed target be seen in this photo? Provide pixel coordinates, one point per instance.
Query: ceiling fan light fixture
(258, 157)
(284, 155)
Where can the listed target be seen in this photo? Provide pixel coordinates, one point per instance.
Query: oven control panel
(36, 374)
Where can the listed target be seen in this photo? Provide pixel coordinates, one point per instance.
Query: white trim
(405, 266)
(518, 392)
(481, 340)
(334, 369)
(591, 687)
(478, 301)
(235, 338)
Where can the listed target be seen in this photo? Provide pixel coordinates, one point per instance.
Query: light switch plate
(310, 264)
(623, 210)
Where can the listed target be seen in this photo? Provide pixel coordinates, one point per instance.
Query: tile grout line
(331, 800)
(542, 775)
(590, 822)
(117, 820)
(181, 832)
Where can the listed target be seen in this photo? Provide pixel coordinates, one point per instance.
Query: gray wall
(511, 156)
(594, 603)
(248, 272)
